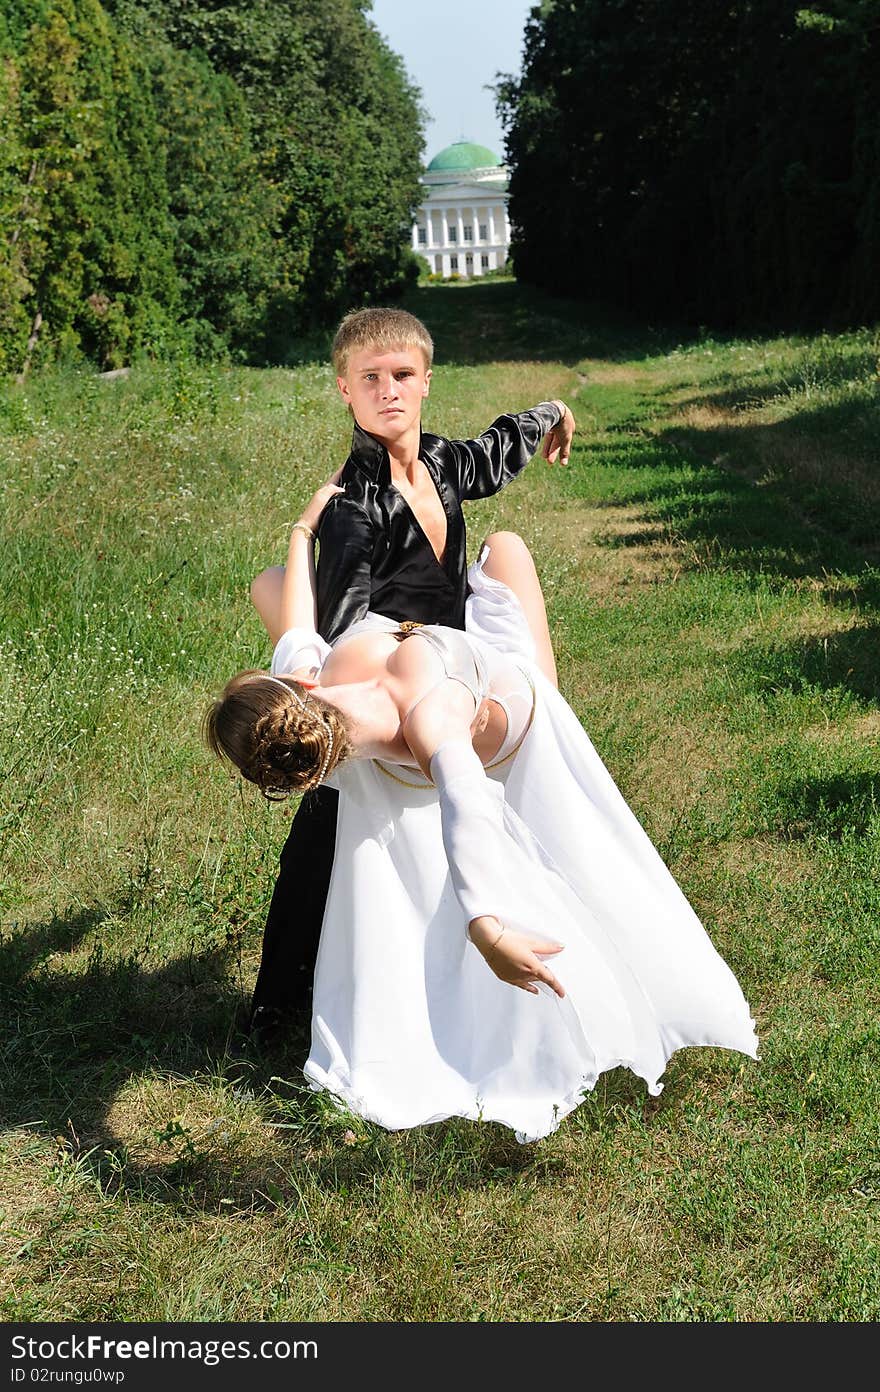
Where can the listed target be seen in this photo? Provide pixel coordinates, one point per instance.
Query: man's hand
(514, 957)
(557, 442)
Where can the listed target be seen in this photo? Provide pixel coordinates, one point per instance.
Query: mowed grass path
(710, 558)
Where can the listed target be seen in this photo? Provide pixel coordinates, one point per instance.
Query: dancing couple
(496, 929)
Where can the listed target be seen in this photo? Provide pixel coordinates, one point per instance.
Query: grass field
(711, 561)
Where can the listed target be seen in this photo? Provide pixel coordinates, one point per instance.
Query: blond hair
(276, 734)
(383, 329)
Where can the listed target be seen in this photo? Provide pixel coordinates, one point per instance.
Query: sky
(451, 49)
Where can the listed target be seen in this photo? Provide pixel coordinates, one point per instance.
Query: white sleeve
(477, 846)
(299, 648)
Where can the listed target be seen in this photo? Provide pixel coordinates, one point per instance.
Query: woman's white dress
(409, 1023)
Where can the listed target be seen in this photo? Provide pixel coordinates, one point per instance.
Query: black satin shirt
(374, 555)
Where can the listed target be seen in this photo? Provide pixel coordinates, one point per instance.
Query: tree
(89, 263)
(182, 172)
(337, 133)
(719, 156)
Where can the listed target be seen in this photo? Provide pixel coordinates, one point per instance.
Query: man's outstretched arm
(490, 461)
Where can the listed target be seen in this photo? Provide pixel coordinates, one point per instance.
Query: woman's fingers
(535, 971)
(544, 974)
(516, 957)
(317, 503)
(550, 980)
(547, 979)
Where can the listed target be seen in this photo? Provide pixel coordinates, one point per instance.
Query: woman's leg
(510, 561)
(266, 599)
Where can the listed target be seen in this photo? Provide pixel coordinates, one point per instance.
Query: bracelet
(496, 940)
(305, 528)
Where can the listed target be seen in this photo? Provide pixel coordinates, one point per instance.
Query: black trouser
(293, 926)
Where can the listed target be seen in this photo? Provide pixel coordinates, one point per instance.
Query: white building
(462, 224)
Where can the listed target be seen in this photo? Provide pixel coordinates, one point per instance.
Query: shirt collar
(370, 455)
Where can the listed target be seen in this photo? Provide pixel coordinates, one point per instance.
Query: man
(392, 542)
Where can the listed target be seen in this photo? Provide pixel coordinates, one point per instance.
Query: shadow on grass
(846, 660)
(830, 806)
(80, 1033)
(754, 497)
(84, 1033)
(504, 321)
(820, 459)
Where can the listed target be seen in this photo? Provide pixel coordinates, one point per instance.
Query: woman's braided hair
(276, 733)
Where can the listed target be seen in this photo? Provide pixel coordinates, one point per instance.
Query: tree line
(212, 176)
(716, 161)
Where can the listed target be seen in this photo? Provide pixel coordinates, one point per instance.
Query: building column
(459, 215)
(491, 216)
(429, 225)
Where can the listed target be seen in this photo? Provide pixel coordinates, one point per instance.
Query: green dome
(461, 156)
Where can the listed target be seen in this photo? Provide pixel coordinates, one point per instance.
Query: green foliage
(224, 212)
(712, 161)
(89, 265)
(337, 130)
(197, 176)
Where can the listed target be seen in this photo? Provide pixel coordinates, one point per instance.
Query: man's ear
(427, 387)
(343, 390)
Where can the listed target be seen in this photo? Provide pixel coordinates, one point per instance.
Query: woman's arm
(477, 846)
(284, 596)
(297, 606)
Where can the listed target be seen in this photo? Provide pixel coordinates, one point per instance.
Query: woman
(480, 839)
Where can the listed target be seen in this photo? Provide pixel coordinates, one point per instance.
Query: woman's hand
(514, 957)
(311, 513)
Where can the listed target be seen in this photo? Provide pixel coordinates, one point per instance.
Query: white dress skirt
(409, 1023)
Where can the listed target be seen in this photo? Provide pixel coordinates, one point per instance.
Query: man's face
(386, 390)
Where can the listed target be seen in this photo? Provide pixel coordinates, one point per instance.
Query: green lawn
(711, 561)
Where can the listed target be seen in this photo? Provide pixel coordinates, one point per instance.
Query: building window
(468, 232)
(453, 263)
(485, 260)
(423, 236)
(484, 231)
(453, 233)
(438, 265)
(469, 260)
